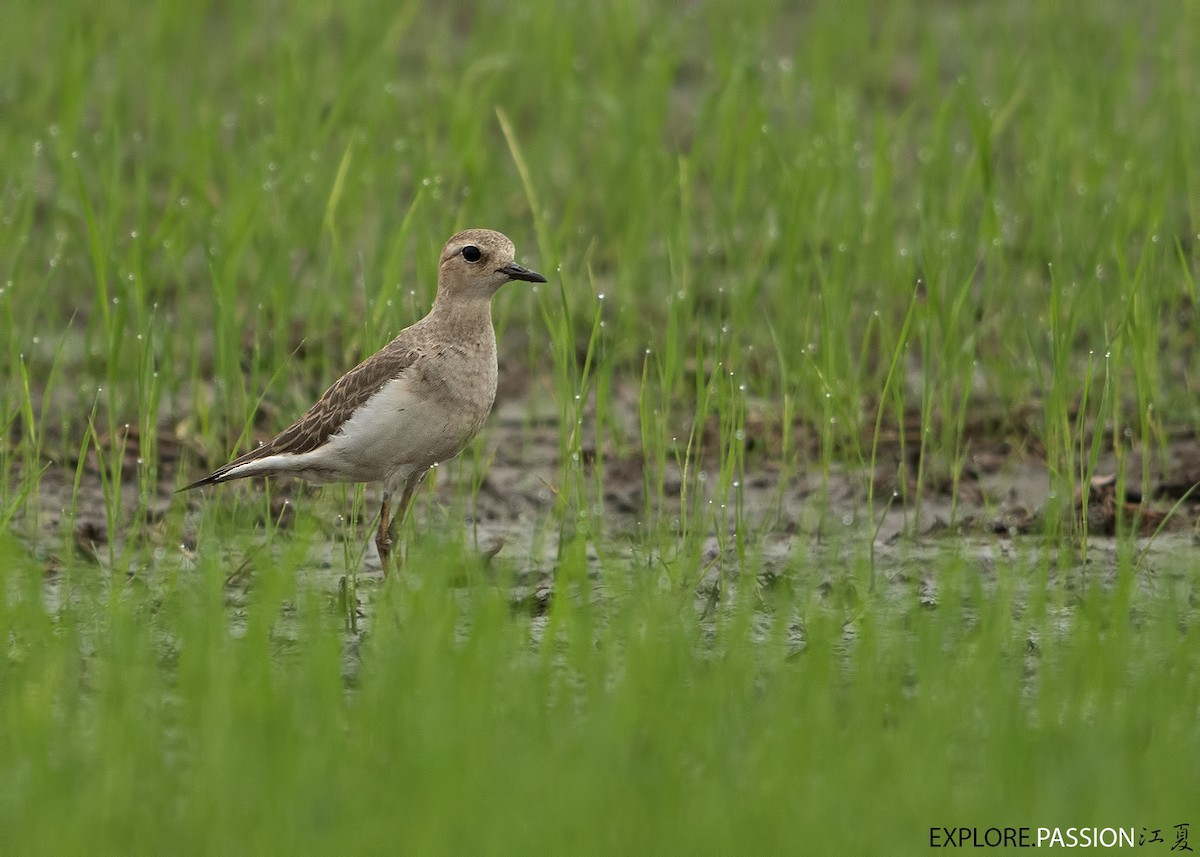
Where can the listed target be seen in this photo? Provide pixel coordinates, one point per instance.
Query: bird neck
(462, 315)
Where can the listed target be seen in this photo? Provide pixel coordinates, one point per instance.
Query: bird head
(477, 262)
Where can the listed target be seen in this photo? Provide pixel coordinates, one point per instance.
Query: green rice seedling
(208, 215)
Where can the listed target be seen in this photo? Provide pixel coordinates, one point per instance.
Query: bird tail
(239, 468)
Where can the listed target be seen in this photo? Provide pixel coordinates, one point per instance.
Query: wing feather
(325, 418)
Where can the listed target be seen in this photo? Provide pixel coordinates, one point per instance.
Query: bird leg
(383, 538)
(388, 528)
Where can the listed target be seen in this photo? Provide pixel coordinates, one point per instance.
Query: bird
(416, 402)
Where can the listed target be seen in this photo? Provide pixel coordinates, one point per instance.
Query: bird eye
(471, 253)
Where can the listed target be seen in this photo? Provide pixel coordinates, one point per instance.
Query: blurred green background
(778, 234)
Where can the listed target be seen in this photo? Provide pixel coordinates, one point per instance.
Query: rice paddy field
(841, 485)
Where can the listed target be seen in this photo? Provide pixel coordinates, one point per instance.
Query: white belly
(407, 427)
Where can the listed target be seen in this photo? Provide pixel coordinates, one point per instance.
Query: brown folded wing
(325, 418)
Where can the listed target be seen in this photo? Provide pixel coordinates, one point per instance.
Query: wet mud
(802, 519)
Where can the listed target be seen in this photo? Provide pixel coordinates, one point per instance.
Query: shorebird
(414, 403)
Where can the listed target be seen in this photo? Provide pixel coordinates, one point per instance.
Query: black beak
(516, 272)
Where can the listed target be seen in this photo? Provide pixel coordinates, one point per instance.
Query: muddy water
(809, 529)
(803, 520)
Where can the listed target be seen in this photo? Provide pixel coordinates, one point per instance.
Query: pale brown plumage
(417, 401)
